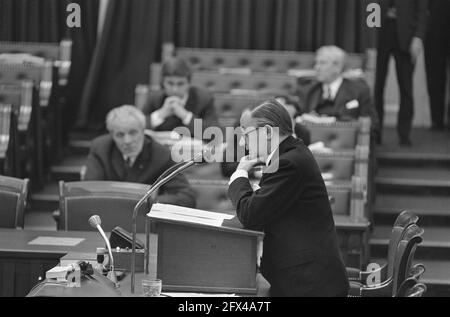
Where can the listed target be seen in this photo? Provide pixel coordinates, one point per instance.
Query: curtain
(45, 21)
(135, 29)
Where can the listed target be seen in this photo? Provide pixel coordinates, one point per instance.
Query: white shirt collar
(334, 86)
(269, 158)
(132, 159)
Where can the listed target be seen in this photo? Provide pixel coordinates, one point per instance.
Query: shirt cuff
(188, 118)
(237, 174)
(155, 119)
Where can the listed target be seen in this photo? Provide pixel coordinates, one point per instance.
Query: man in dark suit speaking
(301, 256)
(127, 154)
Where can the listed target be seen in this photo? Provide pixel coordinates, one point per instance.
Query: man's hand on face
(246, 163)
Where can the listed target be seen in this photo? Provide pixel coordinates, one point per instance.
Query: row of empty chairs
(239, 78)
(32, 78)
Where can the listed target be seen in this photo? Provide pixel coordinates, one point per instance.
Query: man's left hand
(246, 163)
(415, 48)
(180, 111)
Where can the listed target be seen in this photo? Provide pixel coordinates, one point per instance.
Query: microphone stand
(144, 199)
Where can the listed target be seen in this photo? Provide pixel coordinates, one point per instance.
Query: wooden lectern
(201, 251)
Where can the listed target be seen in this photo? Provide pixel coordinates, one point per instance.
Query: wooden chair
(403, 221)
(56, 65)
(405, 250)
(256, 60)
(341, 135)
(35, 94)
(13, 198)
(59, 54)
(19, 97)
(229, 107)
(112, 201)
(411, 288)
(256, 83)
(212, 195)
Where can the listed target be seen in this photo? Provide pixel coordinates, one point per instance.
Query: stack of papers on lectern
(191, 215)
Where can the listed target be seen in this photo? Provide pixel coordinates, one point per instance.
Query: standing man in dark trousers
(402, 31)
(437, 60)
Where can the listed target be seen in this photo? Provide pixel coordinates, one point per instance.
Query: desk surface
(17, 241)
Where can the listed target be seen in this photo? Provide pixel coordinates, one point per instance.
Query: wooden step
(417, 157)
(79, 147)
(433, 237)
(69, 169)
(413, 177)
(436, 276)
(393, 204)
(425, 142)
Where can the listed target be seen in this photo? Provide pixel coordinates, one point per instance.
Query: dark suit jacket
(411, 20)
(200, 103)
(350, 90)
(105, 162)
(301, 256)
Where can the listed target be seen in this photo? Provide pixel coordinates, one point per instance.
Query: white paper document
(172, 212)
(56, 241)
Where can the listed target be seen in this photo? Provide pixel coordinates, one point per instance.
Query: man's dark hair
(176, 67)
(272, 113)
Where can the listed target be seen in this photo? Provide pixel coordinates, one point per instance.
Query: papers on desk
(191, 215)
(56, 241)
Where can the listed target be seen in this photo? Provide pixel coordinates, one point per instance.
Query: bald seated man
(127, 154)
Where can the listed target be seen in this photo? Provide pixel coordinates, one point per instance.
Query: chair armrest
(417, 271)
(355, 289)
(382, 271)
(353, 274)
(381, 290)
(361, 276)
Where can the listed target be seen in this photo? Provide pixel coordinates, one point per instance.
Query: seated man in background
(335, 96)
(127, 154)
(178, 103)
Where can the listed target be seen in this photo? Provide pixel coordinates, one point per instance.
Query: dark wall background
(104, 76)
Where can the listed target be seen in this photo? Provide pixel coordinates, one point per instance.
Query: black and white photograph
(224, 155)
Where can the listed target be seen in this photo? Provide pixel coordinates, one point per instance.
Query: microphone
(204, 156)
(95, 222)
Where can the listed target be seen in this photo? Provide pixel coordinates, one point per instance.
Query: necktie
(327, 93)
(128, 162)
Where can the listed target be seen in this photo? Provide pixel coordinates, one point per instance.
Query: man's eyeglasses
(245, 134)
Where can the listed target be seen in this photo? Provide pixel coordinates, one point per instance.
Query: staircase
(416, 179)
